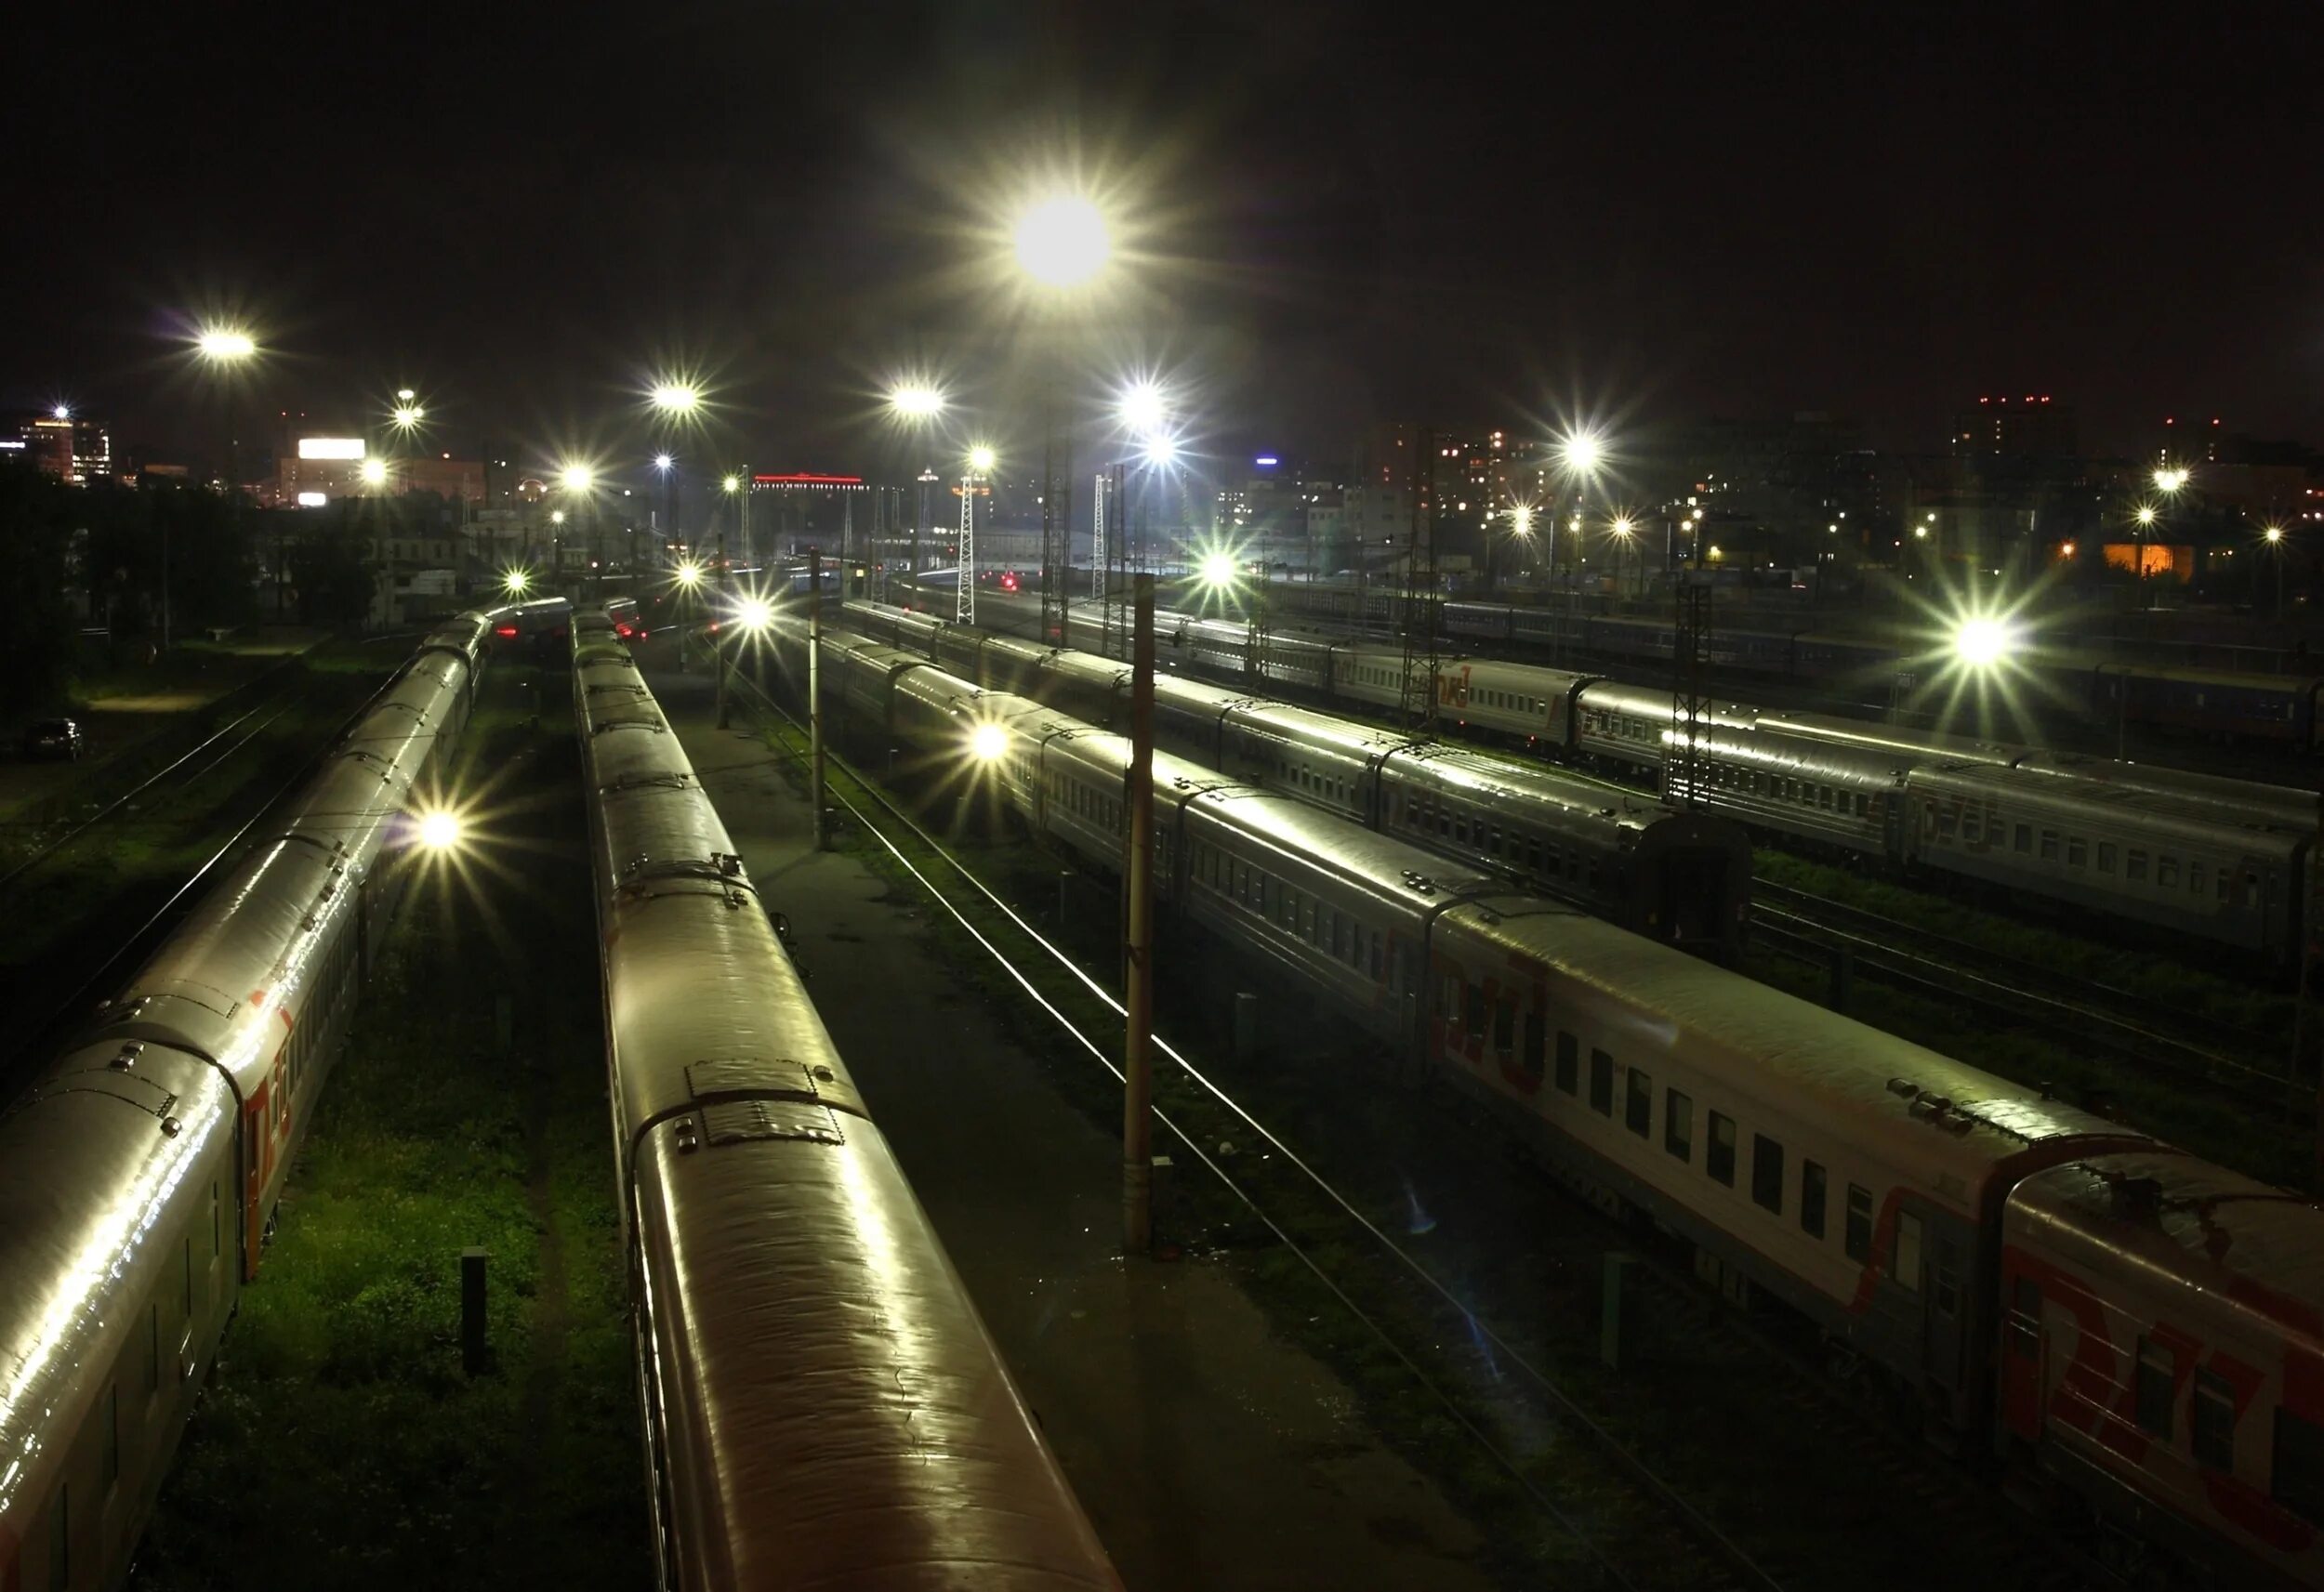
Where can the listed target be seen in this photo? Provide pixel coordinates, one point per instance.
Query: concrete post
(1618, 1266)
(815, 688)
(1138, 1046)
(475, 1351)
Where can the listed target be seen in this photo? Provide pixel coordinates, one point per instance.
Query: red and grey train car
(139, 1176)
(2136, 1329)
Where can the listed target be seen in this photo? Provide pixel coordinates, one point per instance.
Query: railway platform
(1208, 1453)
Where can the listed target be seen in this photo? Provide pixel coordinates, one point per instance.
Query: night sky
(1331, 215)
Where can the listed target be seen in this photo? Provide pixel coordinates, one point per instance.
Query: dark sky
(1334, 214)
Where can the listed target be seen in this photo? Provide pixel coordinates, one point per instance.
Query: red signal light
(507, 632)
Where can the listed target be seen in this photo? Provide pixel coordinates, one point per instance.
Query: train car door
(1945, 1299)
(2024, 1351)
(257, 1148)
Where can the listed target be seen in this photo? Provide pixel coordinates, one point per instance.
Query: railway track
(1492, 1382)
(2091, 1016)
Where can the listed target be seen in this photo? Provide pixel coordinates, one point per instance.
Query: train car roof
(2203, 1227)
(2290, 804)
(2156, 813)
(1949, 1121)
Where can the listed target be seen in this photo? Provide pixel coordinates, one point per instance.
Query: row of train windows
(1074, 797)
(1621, 727)
(1543, 860)
(1721, 1145)
(2297, 1472)
(1326, 927)
(2137, 865)
(1806, 792)
(1327, 786)
(147, 1350)
(1510, 700)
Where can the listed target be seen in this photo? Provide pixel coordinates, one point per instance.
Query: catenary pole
(1138, 1046)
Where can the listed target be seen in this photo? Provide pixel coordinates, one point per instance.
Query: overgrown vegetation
(340, 1443)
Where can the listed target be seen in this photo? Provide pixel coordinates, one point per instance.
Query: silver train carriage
(1676, 876)
(1777, 771)
(2136, 1325)
(139, 1175)
(787, 1283)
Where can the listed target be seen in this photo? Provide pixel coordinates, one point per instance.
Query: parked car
(59, 738)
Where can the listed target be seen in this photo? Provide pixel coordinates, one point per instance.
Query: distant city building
(72, 447)
(2029, 427)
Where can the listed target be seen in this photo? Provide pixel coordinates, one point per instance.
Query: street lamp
(375, 472)
(916, 405)
(1981, 643)
(1142, 409)
(1625, 530)
(223, 347)
(980, 462)
(225, 344)
(2273, 536)
(1061, 241)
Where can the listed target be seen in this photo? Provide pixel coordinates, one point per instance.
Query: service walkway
(1208, 1453)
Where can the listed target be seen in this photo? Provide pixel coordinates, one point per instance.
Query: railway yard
(1532, 1140)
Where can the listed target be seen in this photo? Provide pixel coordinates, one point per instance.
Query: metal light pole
(928, 479)
(814, 688)
(1137, 1005)
(718, 637)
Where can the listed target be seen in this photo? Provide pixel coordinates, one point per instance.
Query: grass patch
(340, 1443)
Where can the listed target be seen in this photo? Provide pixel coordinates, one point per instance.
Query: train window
(1863, 804)
(1601, 1083)
(1638, 1110)
(2025, 1320)
(1376, 969)
(1678, 1125)
(1766, 1172)
(1720, 1160)
(2134, 865)
(2214, 1409)
(2195, 879)
(2167, 872)
(1461, 829)
(1858, 1239)
(2077, 851)
(1947, 1276)
(2049, 845)
(2158, 1382)
(1946, 819)
(1812, 1199)
(1823, 799)
(2023, 839)
(1444, 822)
(2105, 856)
(1971, 824)
(1568, 1062)
(1533, 854)
(1474, 1010)
(1532, 1058)
(1905, 1264)
(2223, 885)
(2251, 890)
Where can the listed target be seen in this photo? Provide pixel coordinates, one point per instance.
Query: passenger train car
(2279, 710)
(822, 1406)
(2137, 1328)
(139, 1176)
(1783, 772)
(1673, 875)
